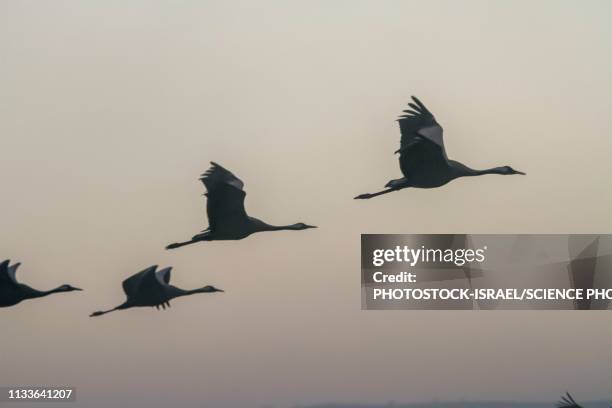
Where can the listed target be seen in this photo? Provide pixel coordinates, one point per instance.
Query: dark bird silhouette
(13, 292)
(422, 159)
(567, 401)
(151, 287)
(227, 217)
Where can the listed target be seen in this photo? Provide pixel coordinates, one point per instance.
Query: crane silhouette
(227, 217)
(423, 159)
(13, 292)
(567, 401)
(151, 287)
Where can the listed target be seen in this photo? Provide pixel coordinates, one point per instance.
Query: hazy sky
(111, 109)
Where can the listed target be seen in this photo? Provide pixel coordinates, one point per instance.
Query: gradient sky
(111, 109)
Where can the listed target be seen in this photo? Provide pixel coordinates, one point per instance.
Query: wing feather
(422, 143)
(419, 122)
(7, 272)
(217, 176)
(132, 284)
(163, 275)
(225, 205)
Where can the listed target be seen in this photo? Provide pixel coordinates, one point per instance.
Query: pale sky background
(111, 109)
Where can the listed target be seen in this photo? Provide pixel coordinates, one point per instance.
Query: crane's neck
(34, 293)
(462, 170)
(204, 289)
(280, 227)
(260, 226)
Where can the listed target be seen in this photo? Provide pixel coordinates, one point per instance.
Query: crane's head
(211, 289)
(507, 170)
(67, 288)
(302, 226)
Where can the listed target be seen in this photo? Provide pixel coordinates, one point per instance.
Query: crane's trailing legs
(180, 244)
(370, 195)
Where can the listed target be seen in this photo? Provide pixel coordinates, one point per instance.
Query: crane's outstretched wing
(418, 123)
(163, 275)
(132, 284)
(7, 272)
(225, 194)
(154, 284)
(422, 142)
(567, 401)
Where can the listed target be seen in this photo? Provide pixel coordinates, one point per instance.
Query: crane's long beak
(73, 288)
(520, 172)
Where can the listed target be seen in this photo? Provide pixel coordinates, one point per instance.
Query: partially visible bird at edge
(567, 401)
(13, 292)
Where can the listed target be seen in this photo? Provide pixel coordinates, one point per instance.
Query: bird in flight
(422, 157)
(151, 287)
(227, 217)
(567, 401)
(13, 292)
